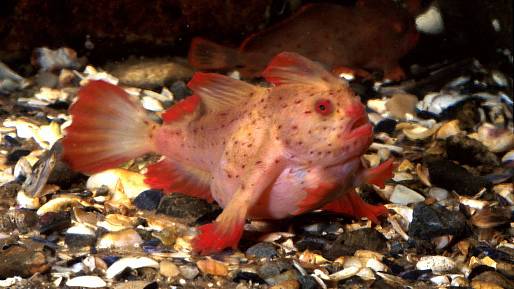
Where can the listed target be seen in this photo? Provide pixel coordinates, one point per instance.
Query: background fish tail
(207, 55)
(108, 128)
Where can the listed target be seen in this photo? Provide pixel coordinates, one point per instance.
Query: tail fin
(205, 54)
(108, 128)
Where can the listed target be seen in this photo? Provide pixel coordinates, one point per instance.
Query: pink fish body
(259, 152)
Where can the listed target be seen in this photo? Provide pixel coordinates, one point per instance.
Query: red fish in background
(373, 35)
(261, 153)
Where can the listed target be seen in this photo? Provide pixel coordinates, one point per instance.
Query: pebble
(403, 195)
(127, 238)
(288, 284)
(169, 269)
(446, 174)
(439, 194)
(308, 282)
(469, 151)
(212, 267)
(79, 236)
(18, 260)
(86, 282)
(182, 206)
(248, 276)
(438, 264)
(130, 262)
(273, 268)
(386, 125)
(189, 271)
(179, 90)
(433, 221)
(262, 250)
(349, 242)
(148, 200)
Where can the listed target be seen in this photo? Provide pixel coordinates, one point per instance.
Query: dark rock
(386, 125)
(270, 269)
(353, 282)
(79, 240)
(349, 242)
(51, 222)
(248, 276)
(446, 174)
(14, 156)
(307, 282)
(433, 221)
(262, 250)
(180, 90)
(21, 261)
(312, 243)
(182, 206)
(381, 284)
(11, 141)
(469, 151)
(413, 274)
(148, 200)
(8, 193)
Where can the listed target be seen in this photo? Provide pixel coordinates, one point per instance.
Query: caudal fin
(108, 128)
(205, 54)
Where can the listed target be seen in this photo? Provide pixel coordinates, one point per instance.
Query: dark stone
(14, 156)
(386, 125)
(469, 151)
(413, 274)
(262, 250)
(307, 282)
(433, 221)
(51, 222)
(349, 242)
(148, 200)
(312, 243)
(18, 219)
(11, 141)
(248, 276)
(381, 284)
(182, 206)
(446, 174)
(63, 176)
(270, 269)
(79, 240)
(180, 90)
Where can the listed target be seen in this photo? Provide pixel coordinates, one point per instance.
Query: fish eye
(324, 106)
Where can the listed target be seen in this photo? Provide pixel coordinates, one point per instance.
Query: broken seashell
(506, 191)
(508, 159)
(437, 103)
(437, 193)
(132, 183)
(495, 139)
(423, 175)
(212, 267)
(61, 202)
(132, 263)
(27, 202)
(403, 195)
(152, 104)
(121, 239)
(343, 274)
(418, 132)
(491, 217)
(86, 282)
(440, 280)
(438, 264)
(473, 203)
(48, 59)
(312, 258)
(402, 176)
(378, 105)
(168, 269)
(117, 222)
(448, 129)
(376, 265)
(366, 274)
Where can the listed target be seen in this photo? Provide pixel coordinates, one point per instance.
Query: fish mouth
(360, 128)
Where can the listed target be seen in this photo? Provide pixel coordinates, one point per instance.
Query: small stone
(312, 243)
(308, 282)
(189, 271)
(448, 175)
(386, 125)
(270, 269)
(403, 195)
(148, 200)
(182, 206)
(14, 156)
(402, 104)
(169, 269)
(438, 193)
(132, 183)
(180, 90)
(288, 284)
(469, 151)
(79, 236)
(262, 250)
(434, 221)
(127, 238)
(53, 222)
(438, 264)
(21, 261)
(248, 276)
(349, 242)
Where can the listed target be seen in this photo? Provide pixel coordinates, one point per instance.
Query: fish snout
(359, 126)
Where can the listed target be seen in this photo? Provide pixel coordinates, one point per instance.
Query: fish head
(327, 125)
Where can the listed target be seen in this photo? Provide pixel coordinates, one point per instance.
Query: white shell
(130, 262)
(344, 274)
(436, 264)
(440, 280)
(27, 202)
(376, 265)
(403, 195)
(121, 239)
(80, 230)
(430, 22)
(87, 282)
(133, 183)
(152, 104)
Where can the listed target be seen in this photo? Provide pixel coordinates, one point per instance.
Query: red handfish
(259, 152)
(372, 35)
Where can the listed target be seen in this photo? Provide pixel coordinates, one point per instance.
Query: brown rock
(21, 261)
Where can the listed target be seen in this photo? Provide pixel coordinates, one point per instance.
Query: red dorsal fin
(184, 107)
(219, 92)
(292, 68)
(172, 178)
